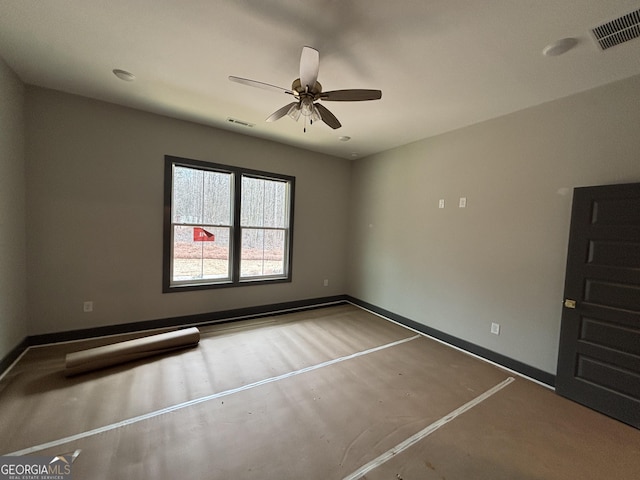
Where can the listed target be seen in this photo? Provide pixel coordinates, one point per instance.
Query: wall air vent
(240, 122)
(618, 31)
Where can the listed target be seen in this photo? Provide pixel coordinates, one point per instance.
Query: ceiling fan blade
(309, 66)
(351, 95)
(265, 86)
(281, 112)
(328, 117)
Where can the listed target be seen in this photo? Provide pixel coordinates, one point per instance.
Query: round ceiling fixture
(124, 75)
(559, 47)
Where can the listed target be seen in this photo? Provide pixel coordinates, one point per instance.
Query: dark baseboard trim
(201, 319)
(247, 313)
(510, 363)
(13, 354)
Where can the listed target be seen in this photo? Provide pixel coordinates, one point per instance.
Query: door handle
(569, 303)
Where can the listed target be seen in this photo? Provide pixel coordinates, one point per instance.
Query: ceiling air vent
(618, 31)
(240, 122)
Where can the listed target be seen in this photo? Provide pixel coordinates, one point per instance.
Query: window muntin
(225, 226)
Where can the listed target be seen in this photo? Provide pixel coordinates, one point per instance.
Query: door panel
(604, 334)
(614, 254)
(599, 357)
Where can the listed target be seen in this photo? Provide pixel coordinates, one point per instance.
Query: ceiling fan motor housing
(296, 86)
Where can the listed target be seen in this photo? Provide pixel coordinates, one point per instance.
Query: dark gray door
(599, 358)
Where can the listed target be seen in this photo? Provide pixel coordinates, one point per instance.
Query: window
(225, 226)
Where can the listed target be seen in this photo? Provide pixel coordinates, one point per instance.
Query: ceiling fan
(307, 91)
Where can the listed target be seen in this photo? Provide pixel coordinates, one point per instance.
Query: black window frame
(235, 231)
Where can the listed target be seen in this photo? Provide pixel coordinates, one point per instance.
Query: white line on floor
(450, 345)
(196, 401)
(412, 440)
(14, 363)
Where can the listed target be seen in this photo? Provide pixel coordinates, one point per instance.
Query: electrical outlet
(495, 328)
(87, 306)
(463, 202)
(441, 203)
(326, 282)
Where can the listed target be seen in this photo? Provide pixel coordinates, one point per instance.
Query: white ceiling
(441, 64)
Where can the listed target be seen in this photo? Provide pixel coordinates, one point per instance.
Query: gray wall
(13, 304)
(501, 259)
(95, 200)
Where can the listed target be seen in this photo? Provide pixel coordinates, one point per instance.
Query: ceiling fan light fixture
(294, 112)
(315, 114)
(306, 106)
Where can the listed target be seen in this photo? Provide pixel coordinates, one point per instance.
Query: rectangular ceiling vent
(240, 122)
(618, 31)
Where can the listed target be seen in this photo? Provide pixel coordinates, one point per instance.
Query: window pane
(200, 253)
(217, 198)
(262, 252)
(201, 196)
(264, 203)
